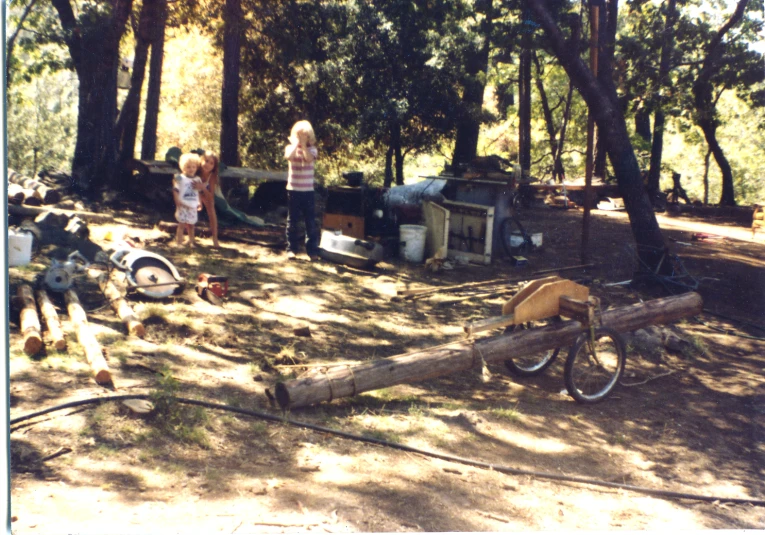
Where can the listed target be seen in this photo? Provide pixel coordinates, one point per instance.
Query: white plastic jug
(19, 247)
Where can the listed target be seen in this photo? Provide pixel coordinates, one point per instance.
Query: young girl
(186, 188)
(208, 172)
(301, 154)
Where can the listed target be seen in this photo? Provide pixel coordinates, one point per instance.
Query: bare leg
(191, 236)
(179, 234)
(209, 202)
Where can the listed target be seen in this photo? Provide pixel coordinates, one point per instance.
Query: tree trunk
(705, 103)
(341, 381)
(561, 173)
(657, 147)
(395, 136)
(524, 105)
(127, 124)
(388, 181)
(469, 123)
(706, 176)
(149, 138)
(601, 97)
(557, 169)
(94, 153)
(229, 124)
(643, 124)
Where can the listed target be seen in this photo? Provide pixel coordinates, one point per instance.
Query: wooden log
(31, 198)
(15, 194)
(51, 320)
(87, 216)
(29, 321)
(119, 303)
(87, 339)
(458, 356)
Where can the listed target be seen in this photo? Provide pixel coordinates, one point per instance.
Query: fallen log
(345, 381)
(119, 304)
(34, 212)
(29, 321)
(48, 312)
(87, 339)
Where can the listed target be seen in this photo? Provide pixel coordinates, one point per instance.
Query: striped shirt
(300, 176)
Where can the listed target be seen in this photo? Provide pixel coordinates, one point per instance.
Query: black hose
(451, 458)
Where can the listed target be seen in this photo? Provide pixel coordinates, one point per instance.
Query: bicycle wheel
(511, 231)
(591, 373)
(535, 363)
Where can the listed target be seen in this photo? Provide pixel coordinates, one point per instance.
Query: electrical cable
(445, 457)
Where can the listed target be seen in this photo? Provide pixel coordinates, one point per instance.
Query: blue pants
(300, 206)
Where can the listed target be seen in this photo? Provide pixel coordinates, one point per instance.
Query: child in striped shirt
(301, 154)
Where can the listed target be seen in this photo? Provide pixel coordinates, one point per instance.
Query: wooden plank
(545, 300)
(437, 221)
(523, 293)
(494, 322)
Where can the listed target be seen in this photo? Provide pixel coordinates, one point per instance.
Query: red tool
(215, 284)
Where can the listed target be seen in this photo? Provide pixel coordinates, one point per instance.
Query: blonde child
(186, 188)
(301, 154)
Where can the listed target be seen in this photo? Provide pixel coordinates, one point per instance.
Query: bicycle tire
(535, 363)
(590, 379)
(508, 226)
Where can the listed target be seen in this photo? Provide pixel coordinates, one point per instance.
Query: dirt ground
(689, 421)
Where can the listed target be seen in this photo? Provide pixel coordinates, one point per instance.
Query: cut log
(15, 194)
(87, 216)
(48, 312)
(458, 356)
(119, 303)
(42, 191)
(29, 321)
(30, 199)
(87, 339)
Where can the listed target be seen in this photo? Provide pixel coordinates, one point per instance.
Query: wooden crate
(349, 225)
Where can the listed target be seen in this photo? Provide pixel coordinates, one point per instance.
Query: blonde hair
(187, 158)
(302, 126)
(209, 155)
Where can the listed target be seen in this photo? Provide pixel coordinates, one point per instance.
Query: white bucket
(19, 247)
(412, 242)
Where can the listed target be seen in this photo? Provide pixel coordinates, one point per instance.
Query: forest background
(391, 84)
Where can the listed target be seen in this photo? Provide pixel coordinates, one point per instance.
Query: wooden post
(29, 321)
(34, 212)
(349, 380)
(119, 304)
(87, 339)
(51, 320)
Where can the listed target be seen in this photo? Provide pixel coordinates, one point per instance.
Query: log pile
(86, 338)
(342, 381)
(30, 191)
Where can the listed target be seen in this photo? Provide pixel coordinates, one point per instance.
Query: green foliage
(42, 119)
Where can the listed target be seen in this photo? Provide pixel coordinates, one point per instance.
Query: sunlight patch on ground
(530, 442)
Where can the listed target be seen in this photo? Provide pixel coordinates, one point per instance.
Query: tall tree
(704, 99)
(476, 61)
(149, 138)
(662, 87)
(127, 124)
(601, 97)
(232, 39)
(99, 27)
